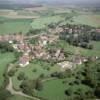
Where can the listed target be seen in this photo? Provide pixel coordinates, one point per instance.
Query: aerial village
(39, 51)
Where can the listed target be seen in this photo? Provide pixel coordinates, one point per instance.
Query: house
(98, 30)
(57, 53)
(19, 37)
(6, 37)
(24, 60)
(20, 47)
(70, 30)
(43, 40)
(66, 65)
(52, 38)
(61, 57)
(59, 30)
(0, 38)
(94, 58)
(79, 59)
(23, 47)
(38, 51)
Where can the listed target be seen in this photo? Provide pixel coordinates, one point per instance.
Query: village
(29, 51)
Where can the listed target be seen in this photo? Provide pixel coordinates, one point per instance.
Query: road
(9, 87)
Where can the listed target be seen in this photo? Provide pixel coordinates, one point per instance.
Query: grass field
(40, 67)
(85, 52)
(17, 97)
(9, 26)
(18, 14)
(92, 20)
(55, 89)
(21, 23)
(5, 59)
(41, 23)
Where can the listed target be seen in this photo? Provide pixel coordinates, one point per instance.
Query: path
(9, 87)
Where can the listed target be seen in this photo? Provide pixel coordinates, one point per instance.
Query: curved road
(9, 87)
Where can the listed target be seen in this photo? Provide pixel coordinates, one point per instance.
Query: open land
(38, 58)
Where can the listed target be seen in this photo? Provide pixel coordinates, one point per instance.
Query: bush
(12, 72)
(35, 70)
(4, 94)
(6, 47)
(39, 85)
(21, 76)
(28, 86)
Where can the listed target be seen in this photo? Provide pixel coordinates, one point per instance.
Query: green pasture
(5, 58)
(55, 89)
(17, 97)
(92, 20)
(85, 52)
(40, 67)
(42, 22)
(9, 26)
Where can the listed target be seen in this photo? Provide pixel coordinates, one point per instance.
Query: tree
(4, 94)
(21, 76)
(34, 31)
(12, 72)
(39, 85)
(6, 47)
(28, 86)
(97, 92)
(68, 92)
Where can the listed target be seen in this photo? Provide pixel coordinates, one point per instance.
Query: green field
(43, 21)
(17, 97)
(52, 89)
(92, 20)
(85, 52)
(5, 59)
(41, 67)
(9, 26)
(55, 89)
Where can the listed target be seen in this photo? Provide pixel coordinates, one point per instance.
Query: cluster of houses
(77, 29)
(31, 52)
(38, 50)
(11, 37)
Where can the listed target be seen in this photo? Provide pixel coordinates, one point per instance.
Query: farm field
(10, 26)
(44, 21)
(18, 14)
(5, 59)
(92, 20)
(23, 20)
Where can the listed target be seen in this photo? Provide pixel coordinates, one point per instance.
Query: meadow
(42, 22)
(40, 68)
(17, 97)
(37, 68)
(10, 26)
(85, 52)
(23, 20)
(55, 89)
(92, 20)
(5, 58)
